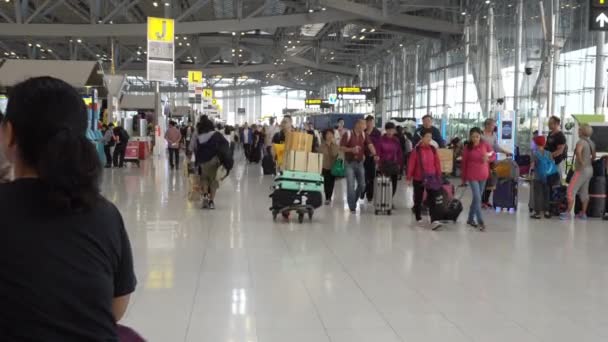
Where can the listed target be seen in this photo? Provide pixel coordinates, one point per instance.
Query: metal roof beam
(336, 69)
(6, 17)
(191, 27)
(193, 8)
(402, 20)
(125, 5)
(181, 70)
(37, 11)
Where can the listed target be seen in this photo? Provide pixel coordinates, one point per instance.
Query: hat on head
(540, 140)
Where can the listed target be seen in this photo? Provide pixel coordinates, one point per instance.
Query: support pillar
(599, 73)
(489, 60)
(518, 58)
(415, 95)
(465, 71)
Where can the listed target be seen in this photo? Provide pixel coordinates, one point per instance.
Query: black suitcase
(282, 198)
(558, 201)
(268, 165)
(452, 210)
(505, 194)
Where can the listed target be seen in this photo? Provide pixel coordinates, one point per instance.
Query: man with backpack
(213, 159)
(122, 139)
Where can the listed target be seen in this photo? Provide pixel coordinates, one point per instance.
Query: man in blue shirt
(427, 123)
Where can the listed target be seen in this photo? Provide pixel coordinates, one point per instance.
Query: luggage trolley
(132, 153)
(296, 191)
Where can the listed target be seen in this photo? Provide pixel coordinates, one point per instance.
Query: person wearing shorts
(583, 172)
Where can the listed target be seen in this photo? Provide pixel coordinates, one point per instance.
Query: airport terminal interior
(266, 104)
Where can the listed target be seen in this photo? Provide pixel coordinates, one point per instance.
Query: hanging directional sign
(208, 93)
(356, 93)
(161, 49)
(598, 15)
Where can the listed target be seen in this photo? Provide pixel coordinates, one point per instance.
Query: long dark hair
(471, 132)
(49, 121)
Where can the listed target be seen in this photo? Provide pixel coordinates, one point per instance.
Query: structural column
(599, 73)
(445, 81)
(489, 64)
(415, 92)
(518, 47)
(465, 71)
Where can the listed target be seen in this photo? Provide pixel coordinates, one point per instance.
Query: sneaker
(535, 216)
(582, 217)
(472, 224)
(486, 206)
(327, 202)
(548, 215)
(482, 227)
(205, 202)
(436, 225)
(211, 205)
(565, 216)
(353, 211)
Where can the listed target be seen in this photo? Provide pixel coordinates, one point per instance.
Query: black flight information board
(598, 15)
(356, 93)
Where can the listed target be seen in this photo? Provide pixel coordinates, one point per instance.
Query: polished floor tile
(234, 275)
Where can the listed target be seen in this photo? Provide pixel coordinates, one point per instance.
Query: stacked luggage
(299, 185)
(297, 191)
(598, 189)
(506, 192)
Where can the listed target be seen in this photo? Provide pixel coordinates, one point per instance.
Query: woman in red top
(475, 171)
(425, 161)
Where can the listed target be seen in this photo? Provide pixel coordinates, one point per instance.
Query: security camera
(528, 71)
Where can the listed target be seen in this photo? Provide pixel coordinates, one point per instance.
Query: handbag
(337, 170)
(430, 181)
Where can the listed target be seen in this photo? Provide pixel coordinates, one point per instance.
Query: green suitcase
(299, 176)
(298, 186)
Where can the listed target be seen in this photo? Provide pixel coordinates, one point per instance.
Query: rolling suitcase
(268, 165)
(453, 208)
(383, 195)
(505, 194)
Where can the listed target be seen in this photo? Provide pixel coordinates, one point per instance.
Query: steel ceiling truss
(258, 30)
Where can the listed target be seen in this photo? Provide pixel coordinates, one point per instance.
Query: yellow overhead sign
(160, 29)
(195, 77)
(207, 93)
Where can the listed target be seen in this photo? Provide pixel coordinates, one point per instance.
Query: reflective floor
(232, 275)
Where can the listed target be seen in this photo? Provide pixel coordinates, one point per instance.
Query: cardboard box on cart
(446, 158)
(304, 161)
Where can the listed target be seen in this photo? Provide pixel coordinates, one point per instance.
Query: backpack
(545, 166)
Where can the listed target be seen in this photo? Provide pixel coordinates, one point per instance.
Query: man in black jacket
(122, 139)
(427, 123)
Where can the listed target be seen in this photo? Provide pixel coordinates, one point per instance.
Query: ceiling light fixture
(363, 30)
(155, 4)
(310, 10)
(323, 9)
(37, 45)
(362, 37)
(167, 4)
(372, 30)
(79, 40)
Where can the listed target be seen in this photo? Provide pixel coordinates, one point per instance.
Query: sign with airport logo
(598, 15)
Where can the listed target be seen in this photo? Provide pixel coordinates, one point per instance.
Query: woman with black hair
(66, 269)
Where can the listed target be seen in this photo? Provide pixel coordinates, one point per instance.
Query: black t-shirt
(279, 138)
(553, 141)
(60, 273)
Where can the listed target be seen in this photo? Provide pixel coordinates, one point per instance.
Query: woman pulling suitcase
(424, 172)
